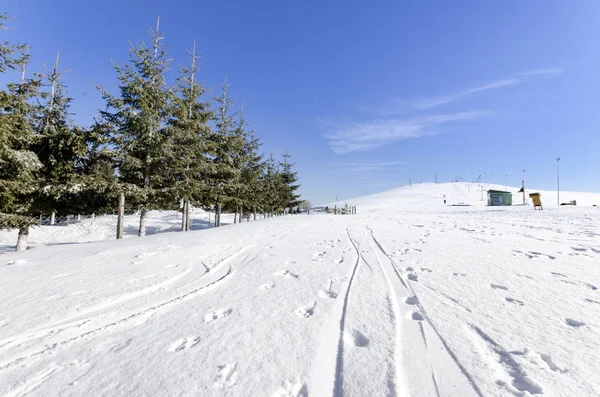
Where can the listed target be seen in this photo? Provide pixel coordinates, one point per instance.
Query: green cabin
(498, 197)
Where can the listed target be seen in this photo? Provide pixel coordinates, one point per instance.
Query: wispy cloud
(393, 121)
(370, 165)
(430, 103)
(361, 136)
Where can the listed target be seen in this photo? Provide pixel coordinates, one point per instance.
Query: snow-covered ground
(407, 298)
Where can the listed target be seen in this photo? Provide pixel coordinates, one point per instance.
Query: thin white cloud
(370, 165)
(430, 103)
(362, 136)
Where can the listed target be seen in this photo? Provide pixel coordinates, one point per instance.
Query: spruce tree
(289, 178)
(98, 187)
(139, 116)
(250, 163)
(189, 142)
(222, 170)
(19, 165)
(61, 147)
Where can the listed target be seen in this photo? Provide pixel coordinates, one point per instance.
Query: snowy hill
(407, 298)
(431, 195)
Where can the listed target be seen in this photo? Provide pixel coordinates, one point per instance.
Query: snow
(407, 298)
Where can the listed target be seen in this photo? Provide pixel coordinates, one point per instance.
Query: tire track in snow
(424, 316)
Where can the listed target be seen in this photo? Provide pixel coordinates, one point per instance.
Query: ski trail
(439, 357)
(327, 371)
(59, 336)
(337, 389)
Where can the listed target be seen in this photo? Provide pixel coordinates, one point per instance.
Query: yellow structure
(537, 201)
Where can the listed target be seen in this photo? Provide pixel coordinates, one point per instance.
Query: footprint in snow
(227, 375)
(515, 301)
(498, 286)
(551, 364)
(459, 274)
(355, 338)
(574, 323)
(592, 301)
(424, 269)
(217, 314)
(417, 316)
(267, 286)
(413, 277)
(289, 389)
(286, 273)
(182, 344)
(306, 311)
(17, 262)
(412, 300)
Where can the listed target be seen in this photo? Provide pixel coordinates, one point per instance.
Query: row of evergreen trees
(159, 144)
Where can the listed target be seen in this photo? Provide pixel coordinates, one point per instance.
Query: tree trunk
(22, 239)
(241, 214)
(120, 216)
(53, 218)
(187, 215)
(218, 215)
(235, 216)
(144, 212)
(142, 230)
(254, 215)
(183, 215)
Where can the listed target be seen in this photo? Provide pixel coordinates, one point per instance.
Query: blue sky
(366, 95)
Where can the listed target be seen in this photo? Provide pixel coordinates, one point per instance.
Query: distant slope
(431, 195)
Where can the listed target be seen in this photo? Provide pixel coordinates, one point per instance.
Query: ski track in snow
(97, 323)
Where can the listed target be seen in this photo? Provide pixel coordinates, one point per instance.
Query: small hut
(499, 197)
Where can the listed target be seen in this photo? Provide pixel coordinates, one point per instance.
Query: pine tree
(8, 50)
(139, 117)
(19, 165)
(250, 163)
(60, 147)
(98, 187)
(222, 171)
(289, 198)
(189, 142)
(272, 186)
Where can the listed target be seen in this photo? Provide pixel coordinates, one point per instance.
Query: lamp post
(558, 180)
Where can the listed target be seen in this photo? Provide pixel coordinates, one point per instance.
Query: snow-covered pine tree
(138, 116)
(19, 165)
(189, 142)
(60, 147)
(289, 178)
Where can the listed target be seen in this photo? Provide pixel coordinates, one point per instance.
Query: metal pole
(558, 180)
(523, 186)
